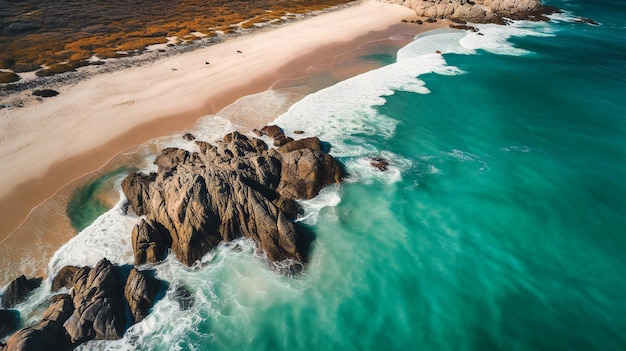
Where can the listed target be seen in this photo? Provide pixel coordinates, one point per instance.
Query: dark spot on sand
(45, 93)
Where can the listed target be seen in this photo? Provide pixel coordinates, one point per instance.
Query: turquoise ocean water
(500, 224)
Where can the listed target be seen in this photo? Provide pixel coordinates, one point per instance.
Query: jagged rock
(235, 188)
(98, 312)
(135, 187)
(140, 291)
(282, 140)
(48, 333)
(478, 11)
(150, 242)
(18, 290)
(305, 172)
(65, 278)
(272, 131)
(9, 321)
(312, 143)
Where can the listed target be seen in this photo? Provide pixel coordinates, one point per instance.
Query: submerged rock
(235, 188)
(9, 322)
(18, 290)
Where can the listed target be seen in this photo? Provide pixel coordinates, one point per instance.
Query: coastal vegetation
(65, 35)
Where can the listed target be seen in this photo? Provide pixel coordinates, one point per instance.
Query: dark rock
(272, 131)
(380, 163)
(150, 242)
(437, 52)
(135, 187)
(9, 322)
(312, 143)
(282, 140)
(431, 20)
(305, 172)
(99, 309)
(46, 93)
(65, 278)
(419, 22)
(48, 333)
(18, 290)
(464, 27)
(235, 188)
(586, 20)
(140, 291)
(184, 297)
(189, 137)
(298, 132)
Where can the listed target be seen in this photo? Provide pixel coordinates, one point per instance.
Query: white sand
(94, 111)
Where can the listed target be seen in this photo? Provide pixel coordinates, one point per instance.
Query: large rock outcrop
(478, 11)
(101, 299)
(236, 188)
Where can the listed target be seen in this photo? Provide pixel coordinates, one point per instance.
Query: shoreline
(26, 197)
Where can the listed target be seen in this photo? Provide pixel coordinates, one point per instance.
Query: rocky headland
(237, 187)
(479, 11)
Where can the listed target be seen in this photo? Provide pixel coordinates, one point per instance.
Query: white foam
(108, 236)
(495, 38)
(328, 197)
(226, 290)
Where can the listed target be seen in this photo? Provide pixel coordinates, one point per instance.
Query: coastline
(99, 110)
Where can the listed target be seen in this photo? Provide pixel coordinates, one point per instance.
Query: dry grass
(8, 77)
(108, 28)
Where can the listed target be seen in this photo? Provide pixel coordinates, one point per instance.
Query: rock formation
(47, 334)
(235, 188)
(18, 290)
(97, 308)
(478, 11)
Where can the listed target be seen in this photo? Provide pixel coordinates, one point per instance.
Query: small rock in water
(298, 132)
(586, 20)
(18, 290)
(189, 137)
(380, 163)
(46, 93)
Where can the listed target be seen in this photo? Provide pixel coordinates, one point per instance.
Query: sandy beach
(46, 145)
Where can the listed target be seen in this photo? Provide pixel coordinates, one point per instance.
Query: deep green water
(500, 224)
(85, 206)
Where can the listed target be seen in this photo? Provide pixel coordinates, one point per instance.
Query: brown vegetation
(80, 29)
(8, 77)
